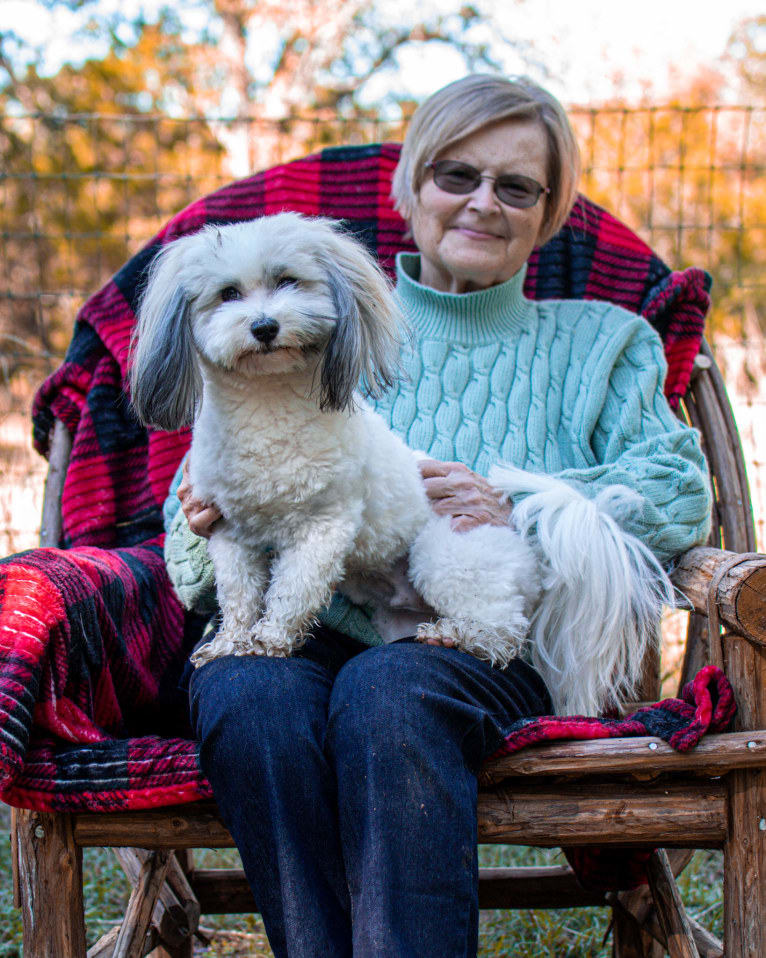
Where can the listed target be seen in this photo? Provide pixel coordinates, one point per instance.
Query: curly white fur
(260, 332)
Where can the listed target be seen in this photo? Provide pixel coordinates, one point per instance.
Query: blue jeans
(347, 777)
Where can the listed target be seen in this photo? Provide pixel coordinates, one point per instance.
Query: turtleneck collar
(485, 315)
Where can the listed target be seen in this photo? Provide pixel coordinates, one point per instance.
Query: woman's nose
(483, 197)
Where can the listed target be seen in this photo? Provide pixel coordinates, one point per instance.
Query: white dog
(261, 333)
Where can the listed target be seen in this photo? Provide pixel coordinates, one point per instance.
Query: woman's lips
(477, 234)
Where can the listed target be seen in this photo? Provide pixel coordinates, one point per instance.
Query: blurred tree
(690, 179)
(747, 50)
(281, 60)
(89, 168)
(94, 157)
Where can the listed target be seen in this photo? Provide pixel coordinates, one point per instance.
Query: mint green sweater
(569, 388)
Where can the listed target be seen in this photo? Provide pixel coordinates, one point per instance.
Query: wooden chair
(628, 793)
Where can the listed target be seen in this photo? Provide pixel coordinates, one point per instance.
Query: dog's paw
(497, 648)
(264, 639)
(274, 641)
(224, 644)
(433, 633)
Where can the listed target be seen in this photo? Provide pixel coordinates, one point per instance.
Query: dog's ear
(164, 375)
(363, 350)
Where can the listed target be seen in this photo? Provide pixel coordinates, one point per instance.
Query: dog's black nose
(264, 330)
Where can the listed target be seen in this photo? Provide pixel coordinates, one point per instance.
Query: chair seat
(626, 791)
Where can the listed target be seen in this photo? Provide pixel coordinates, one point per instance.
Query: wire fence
(80, 193)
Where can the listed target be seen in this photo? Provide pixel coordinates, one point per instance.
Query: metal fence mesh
(80, 193)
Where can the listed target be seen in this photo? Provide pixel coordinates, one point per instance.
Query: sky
(584, 44)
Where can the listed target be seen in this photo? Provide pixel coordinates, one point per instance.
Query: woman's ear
(165, 382)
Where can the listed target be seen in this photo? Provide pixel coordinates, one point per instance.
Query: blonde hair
(466, 106)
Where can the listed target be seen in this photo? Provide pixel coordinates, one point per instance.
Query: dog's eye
(286, 282)
(230, 293)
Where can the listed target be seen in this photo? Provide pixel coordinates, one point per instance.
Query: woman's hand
(201, 516)
(467, 498)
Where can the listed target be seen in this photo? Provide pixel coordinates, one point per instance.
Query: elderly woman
(347, 773)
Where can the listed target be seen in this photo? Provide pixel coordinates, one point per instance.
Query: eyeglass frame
(432, 165)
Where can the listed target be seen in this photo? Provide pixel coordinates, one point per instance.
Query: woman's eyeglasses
(513, 189)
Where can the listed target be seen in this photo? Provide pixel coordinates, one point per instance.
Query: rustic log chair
(633, 792)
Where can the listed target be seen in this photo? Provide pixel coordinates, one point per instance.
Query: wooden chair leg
(629, 938)
(185, 861)
(642, 935)
(138, 916)
(176, 912)
(50, 885)
(744, 883)
(670, 908)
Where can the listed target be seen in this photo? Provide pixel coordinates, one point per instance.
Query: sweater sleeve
(189, 565)
(637, 442)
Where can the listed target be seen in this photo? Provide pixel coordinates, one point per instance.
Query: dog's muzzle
(265, 330)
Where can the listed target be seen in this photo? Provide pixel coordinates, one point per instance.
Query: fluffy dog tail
(603, 589)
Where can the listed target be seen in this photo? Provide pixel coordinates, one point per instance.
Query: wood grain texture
(522, 813)
(174, 924)
(225, 890)
(741, 594)
(745, 866)
(50, 886)
(670, 909)
(60, 449)
(630, 815)
(644, 757)
(181, 826)
(131, 939)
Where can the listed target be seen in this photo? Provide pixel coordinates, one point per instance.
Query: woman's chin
(471, 266)
(465, 276)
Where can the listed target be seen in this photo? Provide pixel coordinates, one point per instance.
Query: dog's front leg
(302, 580)
(241, 575)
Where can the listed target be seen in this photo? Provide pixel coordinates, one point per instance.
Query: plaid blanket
(92, 638)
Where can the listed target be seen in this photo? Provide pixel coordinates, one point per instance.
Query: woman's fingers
(201, 523)
(184, 489)
(479, 512)
(432, 468)
(455, 490)
(201, 516)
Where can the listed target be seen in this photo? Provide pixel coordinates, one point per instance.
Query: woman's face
(474, 241)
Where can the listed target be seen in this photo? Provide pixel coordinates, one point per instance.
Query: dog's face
(260, 297)
(270, 296)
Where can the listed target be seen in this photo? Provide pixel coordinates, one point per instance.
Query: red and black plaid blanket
(92, 638)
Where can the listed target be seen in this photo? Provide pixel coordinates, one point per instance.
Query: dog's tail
(603, 589)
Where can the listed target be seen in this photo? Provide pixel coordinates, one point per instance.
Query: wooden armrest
(642, 757)
(58, 459)
(741, 593)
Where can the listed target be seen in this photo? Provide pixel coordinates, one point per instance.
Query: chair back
(119, 472)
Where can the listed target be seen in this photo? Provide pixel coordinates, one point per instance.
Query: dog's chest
(266, 470)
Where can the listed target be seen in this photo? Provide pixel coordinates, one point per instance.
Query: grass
(563, 933)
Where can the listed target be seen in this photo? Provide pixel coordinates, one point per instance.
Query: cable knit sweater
(569, 388)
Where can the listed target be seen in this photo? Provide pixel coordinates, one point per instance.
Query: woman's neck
(473, 317)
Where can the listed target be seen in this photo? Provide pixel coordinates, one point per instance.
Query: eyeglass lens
(513, 189)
